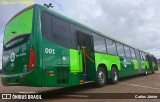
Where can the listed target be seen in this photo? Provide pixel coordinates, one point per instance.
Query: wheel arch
(114, 65)
(104, 67)
(146, 67)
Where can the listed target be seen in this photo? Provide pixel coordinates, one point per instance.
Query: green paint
(108, 60)
(75, 61)
(31, 78)
(153, 64)
(144, 64)
(20, 62)
(150, 65)
(21, 24)
(135, 64)
(127, 67)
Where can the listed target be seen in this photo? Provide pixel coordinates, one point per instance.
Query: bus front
(19, 58)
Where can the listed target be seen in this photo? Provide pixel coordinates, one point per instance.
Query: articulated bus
(45, 49)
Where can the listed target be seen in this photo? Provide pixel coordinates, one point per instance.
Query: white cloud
(154, 52)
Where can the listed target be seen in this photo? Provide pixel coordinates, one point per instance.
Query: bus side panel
(130, 69)
(135, 65)
(36, 43)
(108, 60)
(127, 67)
(144, 65)
(76, 66)
(138, 56)
(61, 66)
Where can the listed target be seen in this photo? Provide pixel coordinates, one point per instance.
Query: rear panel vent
(62, 75)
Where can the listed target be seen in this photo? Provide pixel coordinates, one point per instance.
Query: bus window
(132, 53)
(46, 25)
(74, 30)
(127, 51)
(16, 41)
(61, 31)
(120, 49)
(141, 55)
(99, 43)
(144, 56)
(111, 47)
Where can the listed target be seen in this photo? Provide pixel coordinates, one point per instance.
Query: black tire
(146, 72)
(101, 77)
(114, 75)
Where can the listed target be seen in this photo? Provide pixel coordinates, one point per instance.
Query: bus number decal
(49, 51)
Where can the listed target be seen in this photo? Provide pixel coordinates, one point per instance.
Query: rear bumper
(32, 78)
(39, 78)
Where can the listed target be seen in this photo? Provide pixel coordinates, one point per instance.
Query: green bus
(45, 49)
(153, 63)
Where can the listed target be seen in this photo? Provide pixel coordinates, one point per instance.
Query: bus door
(138, 56)
(86, 50)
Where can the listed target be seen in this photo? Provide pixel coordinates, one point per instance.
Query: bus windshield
(19, 25)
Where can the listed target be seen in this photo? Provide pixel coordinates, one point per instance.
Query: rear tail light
(32, 60)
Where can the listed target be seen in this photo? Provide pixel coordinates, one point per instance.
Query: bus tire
(101, 77)
(146, 72)
(114, 75)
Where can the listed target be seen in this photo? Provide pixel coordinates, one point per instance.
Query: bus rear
(19, 58)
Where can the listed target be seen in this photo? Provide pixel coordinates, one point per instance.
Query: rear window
(16, 41)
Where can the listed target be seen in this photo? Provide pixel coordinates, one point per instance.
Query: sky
(135, 22)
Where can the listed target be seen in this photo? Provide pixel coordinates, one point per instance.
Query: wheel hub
(101, 77)
(115, 76)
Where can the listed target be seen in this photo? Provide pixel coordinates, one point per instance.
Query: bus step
(88, 82)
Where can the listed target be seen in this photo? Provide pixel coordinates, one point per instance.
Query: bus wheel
(146, 72)
(114, 76)
(101, 77)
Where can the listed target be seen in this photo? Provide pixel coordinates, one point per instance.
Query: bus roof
(20, 13)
